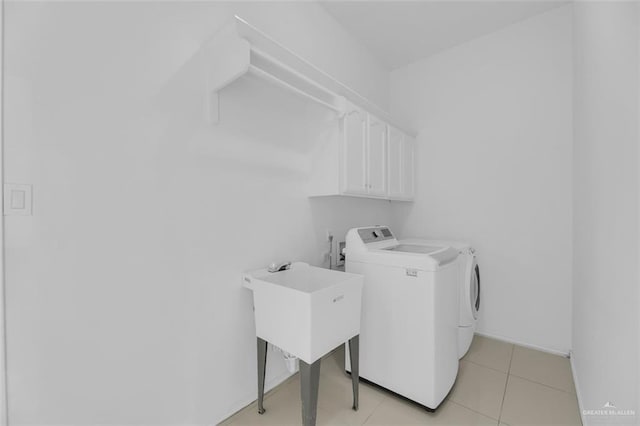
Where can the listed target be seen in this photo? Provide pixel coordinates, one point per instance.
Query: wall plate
(18, 199)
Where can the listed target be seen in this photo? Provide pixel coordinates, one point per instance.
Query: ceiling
(401, 32)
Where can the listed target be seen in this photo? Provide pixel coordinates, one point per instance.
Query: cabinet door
(408, 166)
(377, 157)
(354, 152)
(395, 160)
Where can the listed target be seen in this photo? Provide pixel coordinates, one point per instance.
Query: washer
(409, 325)
(469, 289)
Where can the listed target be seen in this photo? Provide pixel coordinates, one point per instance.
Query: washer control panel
(375, 234)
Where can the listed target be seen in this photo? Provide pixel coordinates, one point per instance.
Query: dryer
(469, 289)
(409, 325)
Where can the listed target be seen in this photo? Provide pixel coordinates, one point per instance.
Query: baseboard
(526, 345)
(269, 384)
(577, 386)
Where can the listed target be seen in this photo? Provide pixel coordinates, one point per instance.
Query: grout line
(543, 384)
(533, 381)
(254, 404)
(525, 345)
(486, 366)
(472, 409)
(374, 410)
(513, 349)
(527, 378)
(504, 395)
(577, 388)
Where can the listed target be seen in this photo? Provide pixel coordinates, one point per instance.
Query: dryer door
(470, 293)
(475, 290)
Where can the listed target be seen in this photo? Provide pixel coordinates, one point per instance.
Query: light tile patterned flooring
(498, 384)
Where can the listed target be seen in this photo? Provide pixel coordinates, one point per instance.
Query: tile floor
(498, 384)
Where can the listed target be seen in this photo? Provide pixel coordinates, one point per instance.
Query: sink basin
(305, 310)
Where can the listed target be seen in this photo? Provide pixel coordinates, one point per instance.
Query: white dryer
(409, 325)
(469, 289)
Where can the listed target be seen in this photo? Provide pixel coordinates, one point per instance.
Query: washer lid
(413, 248)
(460, 245)
(404, 259)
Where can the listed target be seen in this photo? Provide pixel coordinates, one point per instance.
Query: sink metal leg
(309, 383)
(354, 357)
(262, 364)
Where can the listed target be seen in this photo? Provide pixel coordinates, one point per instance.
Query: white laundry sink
(305, 310)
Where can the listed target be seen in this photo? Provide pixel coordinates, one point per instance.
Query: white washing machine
(469, 289)
(409, 325)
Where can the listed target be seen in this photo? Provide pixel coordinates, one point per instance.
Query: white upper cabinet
(395, 161)
(409, 168)
(377, 157)
(401, 166)
(368, 158)
(354, 148)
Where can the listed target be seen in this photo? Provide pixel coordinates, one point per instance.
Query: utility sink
(305, 310)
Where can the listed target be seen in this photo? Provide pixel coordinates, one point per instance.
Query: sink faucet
(276, 267)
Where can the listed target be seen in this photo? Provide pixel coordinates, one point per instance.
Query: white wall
(494, 168)
(124, 303)
(605, 293)
(3, 364)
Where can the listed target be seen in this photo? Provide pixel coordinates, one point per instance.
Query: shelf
(240, 49)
